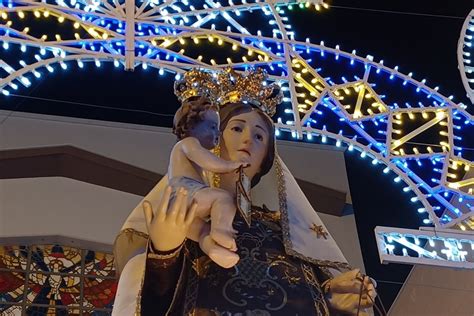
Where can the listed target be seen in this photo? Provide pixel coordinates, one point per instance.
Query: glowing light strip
(418, 130)
(465, 54)
(437, 248)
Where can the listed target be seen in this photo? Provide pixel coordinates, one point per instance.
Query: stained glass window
(38, 280)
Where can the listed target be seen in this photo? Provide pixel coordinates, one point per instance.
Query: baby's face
(207, 130)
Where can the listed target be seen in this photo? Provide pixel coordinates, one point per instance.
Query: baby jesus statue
(196, 124)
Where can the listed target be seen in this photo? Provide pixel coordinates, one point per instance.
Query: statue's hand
(168, 228)
(345, 289)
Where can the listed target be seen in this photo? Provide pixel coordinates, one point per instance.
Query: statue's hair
(190, 113)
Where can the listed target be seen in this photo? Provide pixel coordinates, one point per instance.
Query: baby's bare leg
(222, 211)
(196, 228)
(223, 257)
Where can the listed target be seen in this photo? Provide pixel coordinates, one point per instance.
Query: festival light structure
(338, 97)
(426, 246)
(466, 55)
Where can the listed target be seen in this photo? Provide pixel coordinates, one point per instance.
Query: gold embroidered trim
(131, 232)
(138, 304)
(320, 304)
(326, 286)
(174, 254)
(263, 213)
(286, 228)
(216, 179)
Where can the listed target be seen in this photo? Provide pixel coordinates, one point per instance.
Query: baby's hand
(237, 164)
(242, 163)
(245, 163)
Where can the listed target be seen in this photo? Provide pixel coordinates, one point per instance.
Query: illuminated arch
(388, 116)
(466, 55)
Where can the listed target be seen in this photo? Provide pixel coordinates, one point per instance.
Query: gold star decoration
(319, 230)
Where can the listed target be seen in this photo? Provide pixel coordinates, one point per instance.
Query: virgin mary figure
(284, 267)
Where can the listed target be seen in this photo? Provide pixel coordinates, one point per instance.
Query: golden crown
(196, 82)
(229, 86)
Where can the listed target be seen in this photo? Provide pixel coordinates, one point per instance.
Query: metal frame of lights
(466, 55)
(354, 109)
(437, 248)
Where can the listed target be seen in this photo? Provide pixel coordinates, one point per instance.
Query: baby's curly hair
(190, 113)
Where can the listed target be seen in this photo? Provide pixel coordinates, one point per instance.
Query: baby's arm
(205, 159)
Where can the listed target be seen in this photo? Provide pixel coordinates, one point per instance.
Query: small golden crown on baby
(229, 86)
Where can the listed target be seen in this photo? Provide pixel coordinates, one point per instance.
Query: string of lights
(131, 110)
(431, 15)
(465, 53)
(425, 246)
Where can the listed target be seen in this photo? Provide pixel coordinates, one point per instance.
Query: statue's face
(207, 130)
(246, 137)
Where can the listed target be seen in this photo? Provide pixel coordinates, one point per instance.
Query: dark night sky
(424, 45)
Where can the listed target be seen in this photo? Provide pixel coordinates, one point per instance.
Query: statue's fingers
(367, 284)
(346, 287)
(345, 302)
(191, 214)
(348, 276)
(366, 303)
(180, 199)
(363, 313)
(369, 287)
(182, 212)
(353, 274)
(350, 282)
(164, 203)
(372, 293)
(148, 213)
(373, 281)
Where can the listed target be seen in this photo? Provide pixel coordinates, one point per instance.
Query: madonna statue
(288, 263)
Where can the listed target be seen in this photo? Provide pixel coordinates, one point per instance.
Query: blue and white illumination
(427, 246)
(466, 55)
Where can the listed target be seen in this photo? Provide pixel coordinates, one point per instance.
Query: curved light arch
(465, 55)
(127, 44)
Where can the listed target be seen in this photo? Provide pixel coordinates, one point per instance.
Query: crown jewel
(229, 86)
(196, 82)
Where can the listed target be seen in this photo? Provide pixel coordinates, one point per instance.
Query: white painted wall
(145, 146)
(344, 231)
(62, 206)
(141, 146)
(436, 291)
(320, 164)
